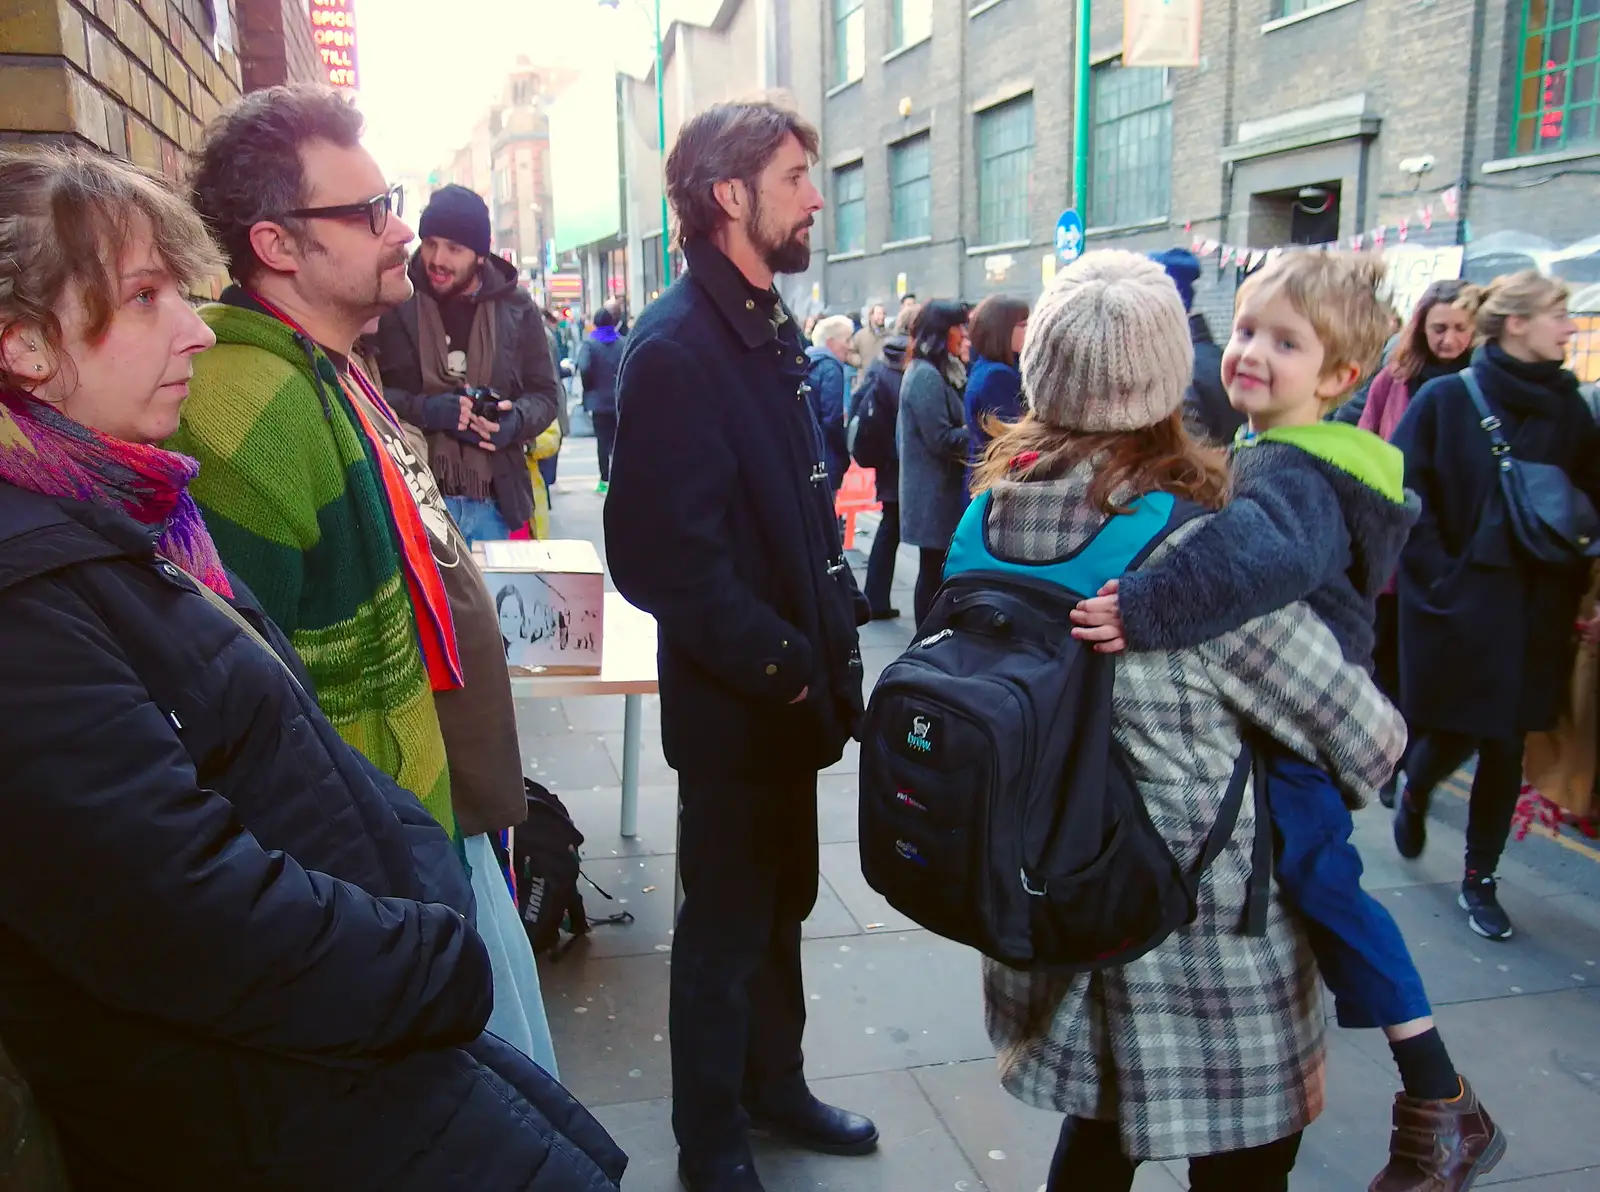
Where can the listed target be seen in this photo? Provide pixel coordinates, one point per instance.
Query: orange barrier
(858, 493)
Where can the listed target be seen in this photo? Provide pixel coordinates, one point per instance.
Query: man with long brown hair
(720, 523)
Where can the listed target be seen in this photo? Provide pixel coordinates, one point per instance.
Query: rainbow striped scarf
(45, 452)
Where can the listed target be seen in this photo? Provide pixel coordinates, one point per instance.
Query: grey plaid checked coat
(1213, 1042)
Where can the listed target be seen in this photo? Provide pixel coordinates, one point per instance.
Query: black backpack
(996, 808)
(545, 867)
(870, 432)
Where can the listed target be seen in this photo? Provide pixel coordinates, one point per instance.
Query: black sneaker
(1482, 904)
(1410, 828)
(1387, 790)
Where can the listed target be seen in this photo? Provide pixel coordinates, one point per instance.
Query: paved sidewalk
(896, 1027)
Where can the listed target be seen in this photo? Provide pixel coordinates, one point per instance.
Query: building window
(849, 41)
(1130, 145)
(910, 190)
(850, 209)
(1289, 8)
(1005, 171)
(1558, 77)
(913, 21)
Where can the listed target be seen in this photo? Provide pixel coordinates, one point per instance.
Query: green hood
(1359, 453)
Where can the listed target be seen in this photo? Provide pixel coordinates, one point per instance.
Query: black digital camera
(485, 402)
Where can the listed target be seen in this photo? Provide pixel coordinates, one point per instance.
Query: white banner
(1160, 32)
(1408, 271)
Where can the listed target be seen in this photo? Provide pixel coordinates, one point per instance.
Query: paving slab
(1457, 965)
(841, 865)
(891, 1001)
(653, 766)
(915, 1153)
(574, 762)
(1009, 1143)
(608, 1019)
(598, 814)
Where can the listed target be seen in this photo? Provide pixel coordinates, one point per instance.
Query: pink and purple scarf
(45, 452)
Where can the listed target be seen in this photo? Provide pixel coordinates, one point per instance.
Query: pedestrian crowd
(254, 693)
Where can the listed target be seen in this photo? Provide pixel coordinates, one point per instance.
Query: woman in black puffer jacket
(1486, 633)
(233, 953)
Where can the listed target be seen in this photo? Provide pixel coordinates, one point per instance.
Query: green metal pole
(1080, 115)
(661, 149)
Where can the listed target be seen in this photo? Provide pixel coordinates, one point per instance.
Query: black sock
(1425, 1067)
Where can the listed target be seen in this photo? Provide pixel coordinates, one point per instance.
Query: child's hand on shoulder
(1099, 621)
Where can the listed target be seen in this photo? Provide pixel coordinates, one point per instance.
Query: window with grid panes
(910, 189)
(850, 209)
(1130, 145)
(849, 40)
(1005, 171)
(1558, 77)
(1289, 8)
(913, 20)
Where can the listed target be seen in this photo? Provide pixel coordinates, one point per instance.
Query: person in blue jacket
(994, 386)
(233, 953)
(825, 373)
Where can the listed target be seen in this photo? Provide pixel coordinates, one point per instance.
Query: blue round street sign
(1069, 237)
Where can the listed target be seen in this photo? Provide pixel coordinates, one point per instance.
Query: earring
(32, 347)
(38, 368)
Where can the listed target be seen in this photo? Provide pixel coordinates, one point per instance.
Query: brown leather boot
(1440, 1146)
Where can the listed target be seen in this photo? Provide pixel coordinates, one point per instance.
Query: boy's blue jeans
(1363, 958)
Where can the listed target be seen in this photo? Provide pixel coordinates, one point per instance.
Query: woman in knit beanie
(1209, 1047)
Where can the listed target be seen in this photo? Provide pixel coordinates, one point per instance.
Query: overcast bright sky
(429, 68)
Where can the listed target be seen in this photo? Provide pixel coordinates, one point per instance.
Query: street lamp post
(1080, 114)
(661, 132)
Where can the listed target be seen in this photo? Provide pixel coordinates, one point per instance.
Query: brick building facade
(947, 131)
(141, 78)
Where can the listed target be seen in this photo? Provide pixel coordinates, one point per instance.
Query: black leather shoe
(719, 1177)
(885, 614)
(819, 1127)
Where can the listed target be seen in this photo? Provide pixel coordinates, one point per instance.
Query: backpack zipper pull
(935, 639)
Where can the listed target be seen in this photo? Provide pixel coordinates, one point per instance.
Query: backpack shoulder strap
(1121, 543)
(1249, 770)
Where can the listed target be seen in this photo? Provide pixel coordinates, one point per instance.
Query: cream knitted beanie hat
(1108, 346)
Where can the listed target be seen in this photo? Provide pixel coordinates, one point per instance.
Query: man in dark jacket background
(469, 325)
(599, 361)
(720, 523)
(1206, 407)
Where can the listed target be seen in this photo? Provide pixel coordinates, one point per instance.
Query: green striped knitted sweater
(292, 494)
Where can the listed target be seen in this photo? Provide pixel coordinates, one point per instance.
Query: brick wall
(275, 44)
(138, 78)
(1412, 61)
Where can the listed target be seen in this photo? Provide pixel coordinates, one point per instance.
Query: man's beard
(787, 255)
(458, 283)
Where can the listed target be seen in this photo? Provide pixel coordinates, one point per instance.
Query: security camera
(1416, 165)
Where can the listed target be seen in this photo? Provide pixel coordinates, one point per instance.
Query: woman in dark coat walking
(932, 437)
(1486, 634)
(233, 953)
(1436, 342)
(994, 386)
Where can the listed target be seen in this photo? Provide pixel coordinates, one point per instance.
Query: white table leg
(632, 705)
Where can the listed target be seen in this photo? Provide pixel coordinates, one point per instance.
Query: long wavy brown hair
(1160, 458)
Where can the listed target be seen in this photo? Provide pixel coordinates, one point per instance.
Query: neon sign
(333, 32)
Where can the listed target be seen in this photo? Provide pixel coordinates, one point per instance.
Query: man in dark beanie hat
(1207, 412)
(470, 329)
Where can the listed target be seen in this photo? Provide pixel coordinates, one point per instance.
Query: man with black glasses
(319, 503)
(466, 361)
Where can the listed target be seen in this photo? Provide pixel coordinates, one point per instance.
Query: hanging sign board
(1161, 33)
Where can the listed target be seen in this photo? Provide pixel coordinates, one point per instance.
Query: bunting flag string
(1377, 239)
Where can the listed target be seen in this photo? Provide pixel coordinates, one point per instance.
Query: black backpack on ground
(996, 808)
(870, 431)
(546, 866)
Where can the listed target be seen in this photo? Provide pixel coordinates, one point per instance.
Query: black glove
(442, 411)
(510, 422)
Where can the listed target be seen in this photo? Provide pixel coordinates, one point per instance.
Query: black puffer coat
(1486, 636)
(232, 953)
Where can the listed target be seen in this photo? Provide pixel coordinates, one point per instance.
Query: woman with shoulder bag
(1486, 628)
